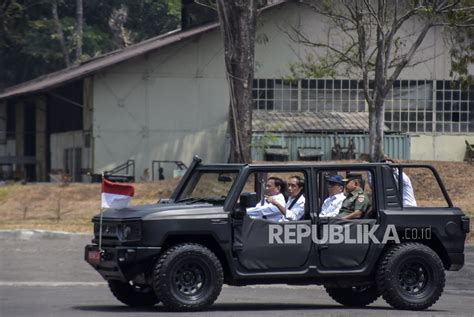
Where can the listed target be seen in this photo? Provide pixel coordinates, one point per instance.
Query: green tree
(38, 37)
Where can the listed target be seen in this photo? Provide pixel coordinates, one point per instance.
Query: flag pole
(100, 221)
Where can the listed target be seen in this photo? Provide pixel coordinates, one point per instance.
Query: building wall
(439, 147)
(169, 105)
(274, 57)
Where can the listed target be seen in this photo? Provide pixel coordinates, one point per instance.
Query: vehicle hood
(165, 211)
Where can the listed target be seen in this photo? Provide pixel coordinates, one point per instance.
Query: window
(420, 186)
(418, 106)
(332, 184)
(208, 186)
(409, 105)
(275, 94)
(454, 108)
(284, 187)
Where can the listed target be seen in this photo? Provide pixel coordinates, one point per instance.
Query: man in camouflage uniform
(356, 202)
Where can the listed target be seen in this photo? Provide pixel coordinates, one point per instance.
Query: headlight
(129, 231)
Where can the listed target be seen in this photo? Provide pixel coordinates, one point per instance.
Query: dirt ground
(51, 206)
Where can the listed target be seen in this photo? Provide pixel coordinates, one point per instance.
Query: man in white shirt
(273, 188)
(407, 188)
(294, 208)
(333, 203)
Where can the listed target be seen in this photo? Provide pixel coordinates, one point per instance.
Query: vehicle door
(253, 243)
(341, 243)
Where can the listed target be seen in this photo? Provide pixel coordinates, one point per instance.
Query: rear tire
(411, 276)
(188, 277)
(355, 296)
(133, 295)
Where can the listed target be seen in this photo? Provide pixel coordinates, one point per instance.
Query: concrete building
(167, 99)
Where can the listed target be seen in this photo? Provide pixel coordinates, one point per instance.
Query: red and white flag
(116, 195)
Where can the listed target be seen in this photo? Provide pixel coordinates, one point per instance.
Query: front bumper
(121, 263)
(456, 260)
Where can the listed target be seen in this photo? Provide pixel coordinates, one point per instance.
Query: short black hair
(278, 183)
(300, 180)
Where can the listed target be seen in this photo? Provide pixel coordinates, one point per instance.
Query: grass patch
(65, 208)
(6, 191)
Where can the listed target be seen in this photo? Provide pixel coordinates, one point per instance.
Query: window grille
(418, 106)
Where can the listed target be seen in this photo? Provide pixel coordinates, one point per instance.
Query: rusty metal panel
(396, 146)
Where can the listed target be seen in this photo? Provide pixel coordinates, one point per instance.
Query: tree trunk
(79, 29)
(376, 129)
(59, 31)
(380, 114)
(372, 132)
(238, 27)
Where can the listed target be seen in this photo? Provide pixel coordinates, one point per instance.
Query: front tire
(355, 296)
(133, 295)
(411, 276)
(188, 277)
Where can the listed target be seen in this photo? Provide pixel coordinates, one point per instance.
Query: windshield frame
(192, 179)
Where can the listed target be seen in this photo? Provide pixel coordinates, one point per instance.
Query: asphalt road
(46, 276)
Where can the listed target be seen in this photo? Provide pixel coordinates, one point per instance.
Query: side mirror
(224, 179)
(248, 200)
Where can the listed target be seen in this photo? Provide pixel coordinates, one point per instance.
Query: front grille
(109, 230)
(123, 231)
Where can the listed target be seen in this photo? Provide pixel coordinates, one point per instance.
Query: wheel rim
(414, 278)
(190, 280)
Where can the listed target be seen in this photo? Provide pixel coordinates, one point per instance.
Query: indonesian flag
(116, 195)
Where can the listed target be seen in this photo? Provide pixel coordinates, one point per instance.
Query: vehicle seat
(370, 213)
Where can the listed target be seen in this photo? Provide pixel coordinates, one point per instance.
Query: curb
(27, 234)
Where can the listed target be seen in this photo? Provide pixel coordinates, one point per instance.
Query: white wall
(439, 147)
(274, 57)
(165, 106)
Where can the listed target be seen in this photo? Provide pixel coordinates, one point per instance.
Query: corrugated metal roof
(93, 65)
(310, 121)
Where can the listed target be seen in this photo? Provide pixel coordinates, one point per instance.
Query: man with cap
(356, 202)
(333, 203)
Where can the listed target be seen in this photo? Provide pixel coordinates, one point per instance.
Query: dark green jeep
(181, 250)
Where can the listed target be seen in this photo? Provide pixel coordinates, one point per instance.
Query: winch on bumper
(120, 262)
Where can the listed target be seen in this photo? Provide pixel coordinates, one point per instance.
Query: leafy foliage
(30, 44)
(462, 55)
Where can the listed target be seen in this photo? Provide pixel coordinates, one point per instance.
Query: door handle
(218, 221)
